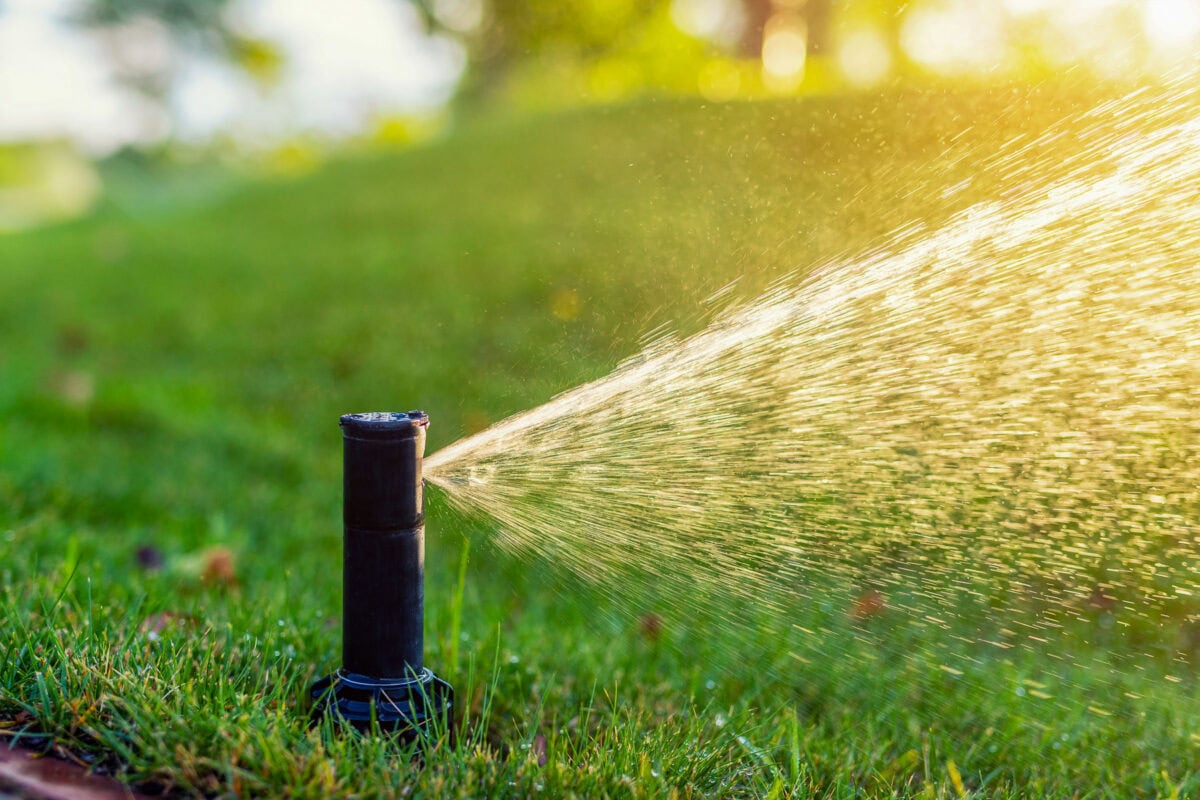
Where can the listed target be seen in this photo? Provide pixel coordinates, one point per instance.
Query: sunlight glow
(1172, 24)
(1009, 399)
(51, 85)
(345, 64)
(1023, 8)
(864, 57)
(716, 20)
(784, 52)
(953, 37)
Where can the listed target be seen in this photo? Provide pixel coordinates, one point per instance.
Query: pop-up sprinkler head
(383, 583)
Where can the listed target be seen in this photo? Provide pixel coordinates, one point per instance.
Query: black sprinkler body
(383, 583)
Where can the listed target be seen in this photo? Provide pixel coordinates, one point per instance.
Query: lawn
(170, 383)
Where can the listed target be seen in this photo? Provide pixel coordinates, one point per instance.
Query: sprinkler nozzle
(383, 583)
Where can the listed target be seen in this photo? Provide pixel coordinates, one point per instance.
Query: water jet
(383, 676)
(994, 412)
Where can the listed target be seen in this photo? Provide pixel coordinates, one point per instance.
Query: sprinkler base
(422, 707)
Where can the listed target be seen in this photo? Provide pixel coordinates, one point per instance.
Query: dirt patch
(25, 773)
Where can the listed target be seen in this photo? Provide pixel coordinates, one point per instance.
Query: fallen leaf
(650, 625)
(149, 557)
(72, 340)
(1101, 600)
(868, 605)
(539, 749)
(219, 567)
(74, 387)
(58, 774)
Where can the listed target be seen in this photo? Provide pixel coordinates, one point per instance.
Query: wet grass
(170, 384)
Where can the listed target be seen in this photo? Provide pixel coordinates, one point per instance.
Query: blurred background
(225, 222)
(98, 95)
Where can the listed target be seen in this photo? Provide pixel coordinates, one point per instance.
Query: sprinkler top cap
(385, 424)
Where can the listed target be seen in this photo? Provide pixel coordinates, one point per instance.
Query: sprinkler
(383, 675)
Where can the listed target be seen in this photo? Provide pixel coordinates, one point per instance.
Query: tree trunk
(757, 14)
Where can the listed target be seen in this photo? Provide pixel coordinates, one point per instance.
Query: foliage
(200, 25)
(190, 15)
(43, 181)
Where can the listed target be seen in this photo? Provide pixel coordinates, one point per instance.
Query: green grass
(174, 378)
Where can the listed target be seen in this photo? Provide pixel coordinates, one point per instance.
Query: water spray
(383, 675)
(1001, 410)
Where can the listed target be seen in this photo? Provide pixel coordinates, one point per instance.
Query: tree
(815, 15)
(143, 39)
